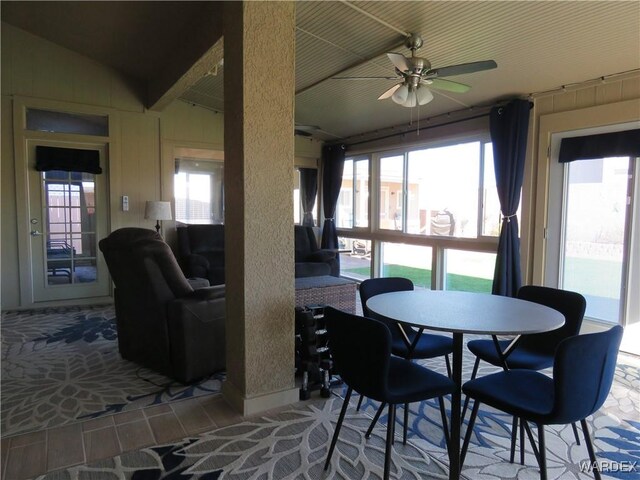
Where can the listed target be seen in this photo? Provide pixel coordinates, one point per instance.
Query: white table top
(466, 312)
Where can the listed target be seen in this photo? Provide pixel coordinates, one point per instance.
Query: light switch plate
(125, 203)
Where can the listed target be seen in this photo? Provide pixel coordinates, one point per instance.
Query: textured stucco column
(259, 78)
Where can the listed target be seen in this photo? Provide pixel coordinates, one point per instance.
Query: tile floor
(32, 454)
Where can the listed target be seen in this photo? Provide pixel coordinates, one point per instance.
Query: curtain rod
(417, 129)
(451, 122)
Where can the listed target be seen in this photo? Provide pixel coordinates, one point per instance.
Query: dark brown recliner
(163, 324)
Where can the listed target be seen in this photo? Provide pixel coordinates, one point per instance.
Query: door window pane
(407, 261)
(70, 227)
(443, 190)
(596, 206)
(391, 197)
(469, 271)
(356, 261)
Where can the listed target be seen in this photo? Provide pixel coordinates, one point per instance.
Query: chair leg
(542, 449)
(536, 453)
(514, 437)
(592, 453)
(345, 404)
(474, 372)
(522, 452)
(387, 450)
(359, 403)
(575, 433)
(467, 436)
(406, 424)
(446, 360)
(393, 427)
(375, 420)
(445, 427)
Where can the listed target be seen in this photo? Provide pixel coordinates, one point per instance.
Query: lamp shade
(400, 95)
(423, 95)
(157, 210)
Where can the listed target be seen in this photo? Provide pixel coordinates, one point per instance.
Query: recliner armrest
(196, 330)
(207, 293)
(321, 256)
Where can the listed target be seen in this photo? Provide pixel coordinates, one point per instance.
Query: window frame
(354, 175)
(218, 165)
(439, 244)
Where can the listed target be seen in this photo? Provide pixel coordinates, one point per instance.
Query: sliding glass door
(591, 245)
(594, 248)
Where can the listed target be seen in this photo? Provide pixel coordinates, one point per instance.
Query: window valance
(589, 147)
(67, 159)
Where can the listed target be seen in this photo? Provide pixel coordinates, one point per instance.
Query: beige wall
(35, 71)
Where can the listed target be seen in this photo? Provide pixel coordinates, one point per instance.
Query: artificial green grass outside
(421, 277)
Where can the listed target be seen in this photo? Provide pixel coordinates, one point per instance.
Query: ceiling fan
(417, 77)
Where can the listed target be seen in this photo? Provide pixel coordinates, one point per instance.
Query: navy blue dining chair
(428, 345)
(533, 352)
(361, 352)
(583, 371)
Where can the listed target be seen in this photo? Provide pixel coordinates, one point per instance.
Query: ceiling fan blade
(448, 85)
(462, 69)
(390, 91)
(364, 78)
(399, 61)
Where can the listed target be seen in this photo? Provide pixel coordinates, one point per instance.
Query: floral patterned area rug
(61, 365)
(294, 444)
(288, 445)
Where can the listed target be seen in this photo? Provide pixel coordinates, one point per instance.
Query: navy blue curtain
(308, 191)
(332, 167)
(509, 126)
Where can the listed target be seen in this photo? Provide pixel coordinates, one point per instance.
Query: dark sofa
(310, 260)
(163, 324)
(201, 252)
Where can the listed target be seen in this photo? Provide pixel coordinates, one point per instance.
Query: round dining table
(460, 313)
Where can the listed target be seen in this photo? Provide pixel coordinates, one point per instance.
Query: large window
(435, 191)
(355, 258)
(469, 271)
(199, 191)
(352, 210)
(407, 261)
(391, 192)
(435, 215)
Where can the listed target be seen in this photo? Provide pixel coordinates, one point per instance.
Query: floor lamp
(158, 211)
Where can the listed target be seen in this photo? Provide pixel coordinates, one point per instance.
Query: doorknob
(35, 233)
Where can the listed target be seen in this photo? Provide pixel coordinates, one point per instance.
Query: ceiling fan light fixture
(412, 99)
(423, 95)
(401, 94)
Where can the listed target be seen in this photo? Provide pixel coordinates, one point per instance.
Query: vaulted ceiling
(538, 46)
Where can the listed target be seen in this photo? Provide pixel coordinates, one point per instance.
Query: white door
(590, 241)
(67, 218)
